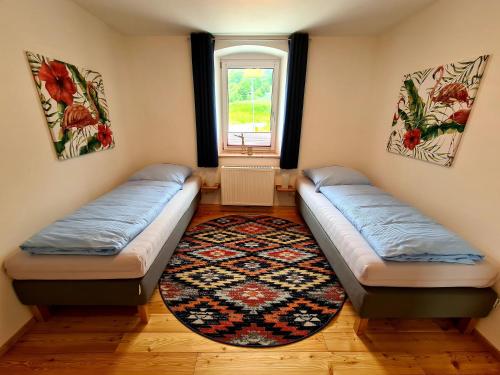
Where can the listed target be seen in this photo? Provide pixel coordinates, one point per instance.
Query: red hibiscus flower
(57, 82)
(461, 116)
(412, 138)
(104, 135)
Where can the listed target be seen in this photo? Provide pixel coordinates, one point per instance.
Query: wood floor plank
(265, 362)
(163, 323)
(345, 323)
(424, 325)
(348, 309)
(113, 323)
(111, 341)
(191, 342)
(481, 363)
(156, 304)
(374, 363)
(99, 364)
(50, 343)
(433, 342)
(208, 212)
(74, 324)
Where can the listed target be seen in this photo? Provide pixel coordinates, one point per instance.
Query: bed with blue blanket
(112, 250)
(397, 231)
(393, 261)
(106, 225)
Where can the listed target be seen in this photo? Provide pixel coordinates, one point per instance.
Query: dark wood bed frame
(40, 294)
(466, 304)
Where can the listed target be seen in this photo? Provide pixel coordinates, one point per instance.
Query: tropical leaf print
(433, 109)
(74, 104)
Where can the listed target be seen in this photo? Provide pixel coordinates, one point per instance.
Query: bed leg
(360, 326)
(40, 312)
(467, 325)
(143, 313)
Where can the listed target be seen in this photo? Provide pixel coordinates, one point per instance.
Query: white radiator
(247, 185)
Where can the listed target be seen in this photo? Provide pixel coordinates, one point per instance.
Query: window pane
(250, 102)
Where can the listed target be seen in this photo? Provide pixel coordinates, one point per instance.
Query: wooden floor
(105, 341)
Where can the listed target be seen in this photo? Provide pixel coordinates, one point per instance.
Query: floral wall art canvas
(433, 109)
(74, 104)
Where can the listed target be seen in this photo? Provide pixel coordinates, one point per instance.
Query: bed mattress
(132, 262)
(371, 270)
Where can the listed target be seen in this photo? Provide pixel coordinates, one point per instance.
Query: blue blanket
(106, 225)
(397, 231)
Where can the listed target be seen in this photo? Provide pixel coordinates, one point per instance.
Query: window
(250, 92)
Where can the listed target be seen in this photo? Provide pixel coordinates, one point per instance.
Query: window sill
(256, 155)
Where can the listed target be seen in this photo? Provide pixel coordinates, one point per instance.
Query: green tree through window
(250, 100)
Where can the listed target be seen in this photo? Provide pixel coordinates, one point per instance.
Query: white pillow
(163, 172)
(336, 175)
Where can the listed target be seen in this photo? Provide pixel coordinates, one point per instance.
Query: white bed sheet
(371, 270)
(132, 262)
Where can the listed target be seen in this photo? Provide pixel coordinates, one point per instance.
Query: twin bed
(127, 278)
(389, 289)
(376, 287)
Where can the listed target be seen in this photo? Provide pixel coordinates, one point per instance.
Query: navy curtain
(296, 79)
(202, 54)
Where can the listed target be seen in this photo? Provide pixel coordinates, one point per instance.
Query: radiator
(247, 185)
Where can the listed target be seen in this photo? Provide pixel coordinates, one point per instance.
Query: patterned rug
(251, 280)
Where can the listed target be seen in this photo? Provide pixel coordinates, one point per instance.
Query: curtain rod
(265, 39)
(250, 39)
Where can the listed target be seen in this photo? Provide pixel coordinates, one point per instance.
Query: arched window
(250, 84)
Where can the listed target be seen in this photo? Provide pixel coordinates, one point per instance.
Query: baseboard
(486, 342)
(231, 208)
(15, 338)
(235, 208)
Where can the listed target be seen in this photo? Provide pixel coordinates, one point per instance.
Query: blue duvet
(106, 225)
(396, 231)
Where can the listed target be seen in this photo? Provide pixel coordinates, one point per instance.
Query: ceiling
(252, 17)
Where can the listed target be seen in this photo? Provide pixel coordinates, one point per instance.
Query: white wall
(351, 89)
(162, 87)
(148, 84)
(337, 83)
(465, 197)
(36, 188)
(339, 76)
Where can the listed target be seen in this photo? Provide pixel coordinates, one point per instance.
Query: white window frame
(228, 63)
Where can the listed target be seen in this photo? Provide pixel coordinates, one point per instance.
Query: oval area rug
(251, 280)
